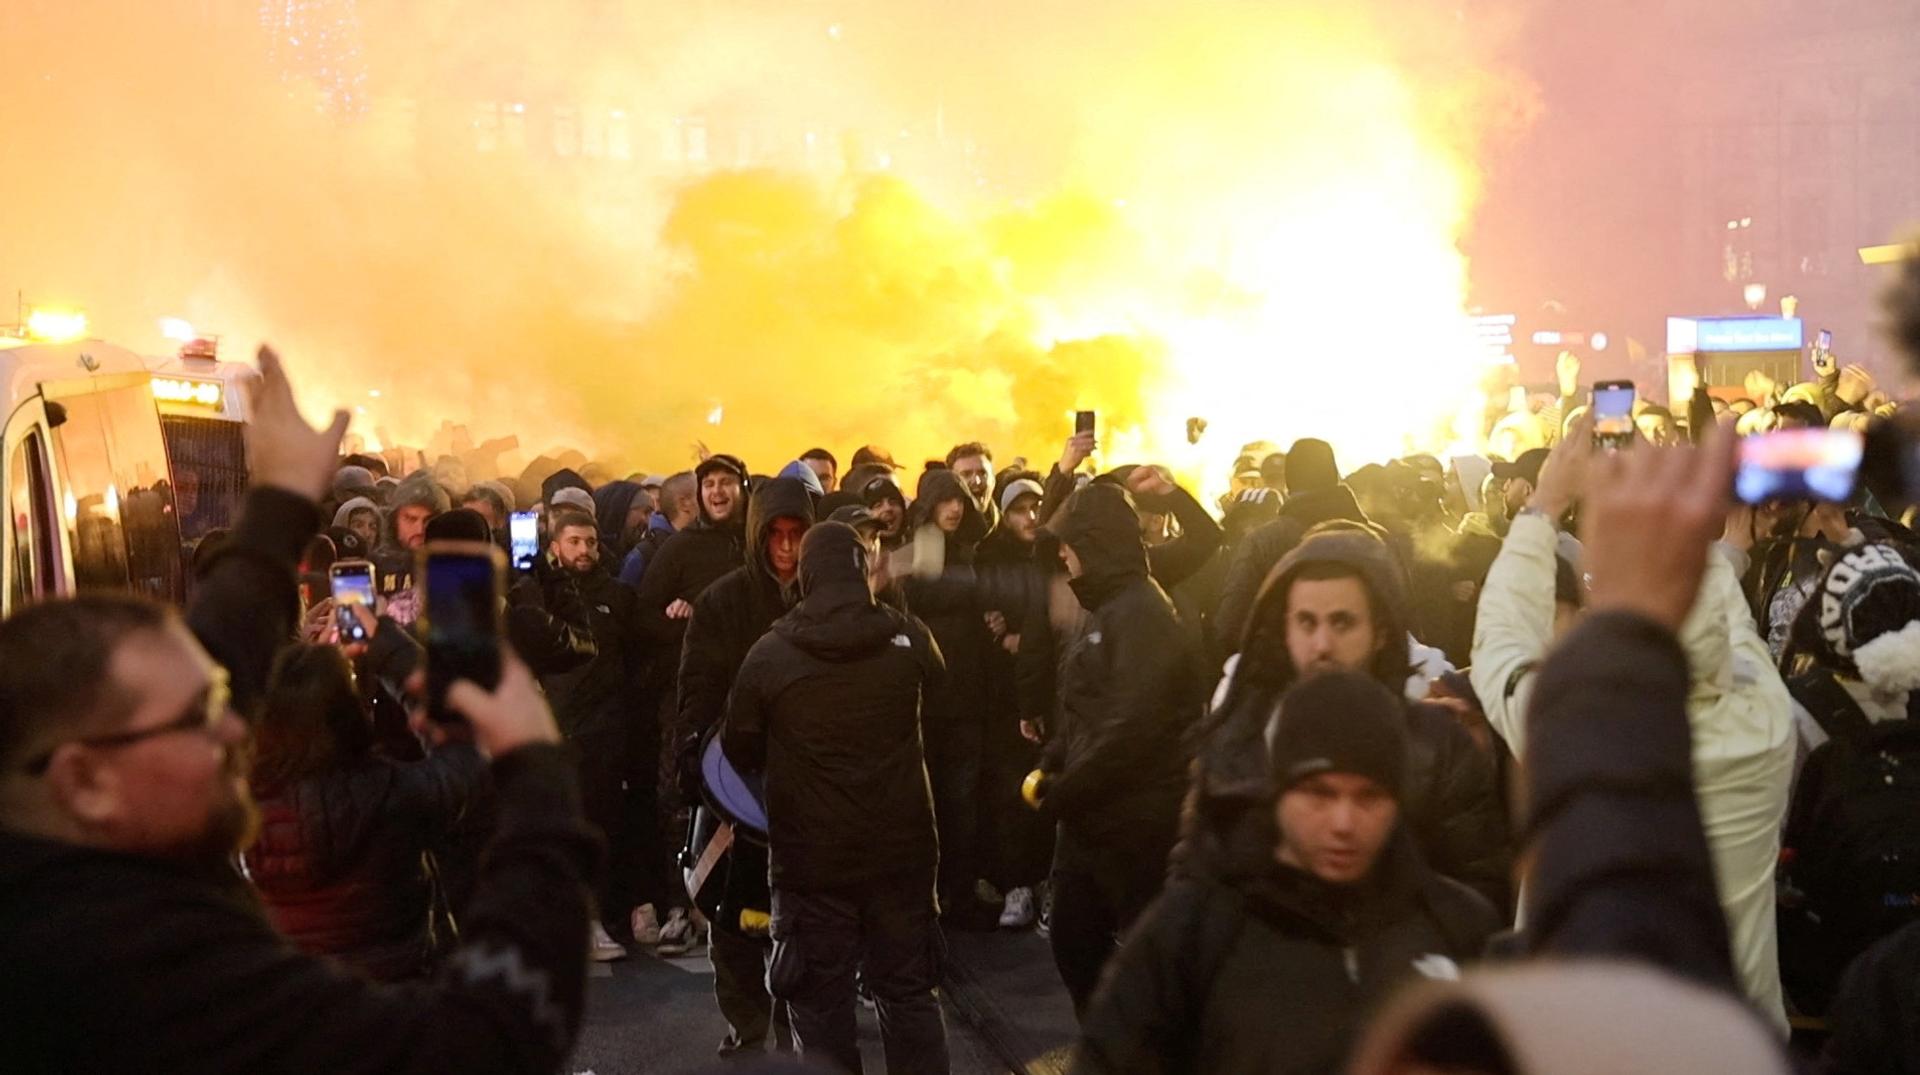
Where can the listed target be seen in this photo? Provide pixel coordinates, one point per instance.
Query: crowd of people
(1554, 759)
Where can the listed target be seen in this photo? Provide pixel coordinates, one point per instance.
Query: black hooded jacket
(1452, 803)
(611, 502)
(1129, 686)
(1265, 968)
(689, 562)
(950, 604)
(828, 705)
(732, 614)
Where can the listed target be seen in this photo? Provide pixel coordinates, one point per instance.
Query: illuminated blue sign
(1719, 335)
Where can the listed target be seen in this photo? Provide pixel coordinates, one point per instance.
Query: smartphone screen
(1799, 464)
(1083, 422)
(352, 582)
(1613, 413)
(1824, 341)
(461, 619)
(523, 530)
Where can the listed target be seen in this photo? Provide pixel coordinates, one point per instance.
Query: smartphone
(1824, 341)
(1082, 422)
(1613, 413)
(523, 531)
(1799, 464)
(461, 617)
(352, 582)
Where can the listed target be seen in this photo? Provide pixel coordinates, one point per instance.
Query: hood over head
(419, 490)
(779, 498)
(1102, 528)
(837, 617)
(358, 503)
(351, 479)
(804, 474)
(936, 488)
(1263, 646)
(506, 492)
(563, 479)
(882, 487)
(611, 502)
(732, 465)
(1332, 504)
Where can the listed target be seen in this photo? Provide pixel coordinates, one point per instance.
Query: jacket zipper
(1353, 965)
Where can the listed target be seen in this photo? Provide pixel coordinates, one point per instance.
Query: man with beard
(972, 463)
(129, 941)
(726, 621)
(1013, 582)
(688, 563)
(1338, 601)
(593, 700)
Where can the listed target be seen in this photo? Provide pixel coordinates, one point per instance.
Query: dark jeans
(740, 985)
(885, 931)
(1098, 891)
(955, 762)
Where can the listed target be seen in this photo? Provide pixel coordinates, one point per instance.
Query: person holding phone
(123, 801)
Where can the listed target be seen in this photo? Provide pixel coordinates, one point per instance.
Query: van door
(32, 543)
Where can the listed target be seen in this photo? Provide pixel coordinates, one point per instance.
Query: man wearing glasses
(128, 940)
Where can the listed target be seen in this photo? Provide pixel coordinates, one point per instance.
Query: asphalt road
(650, 1015)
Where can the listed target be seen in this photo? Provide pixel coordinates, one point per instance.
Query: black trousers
(886, 932)
(1016, 841)
(599, 757)
(955, 763)
(1098, 891)
(740, 987)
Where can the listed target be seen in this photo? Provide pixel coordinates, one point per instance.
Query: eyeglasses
(203, 714)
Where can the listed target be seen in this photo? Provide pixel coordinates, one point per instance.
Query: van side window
(29, 503)
(120, 507)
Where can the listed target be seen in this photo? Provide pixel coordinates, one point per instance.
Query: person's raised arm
(246, 602)
(1621, 865)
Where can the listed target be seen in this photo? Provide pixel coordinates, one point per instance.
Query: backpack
(1850, 861)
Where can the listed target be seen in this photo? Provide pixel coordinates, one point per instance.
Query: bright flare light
(177, 329)
(56, 326)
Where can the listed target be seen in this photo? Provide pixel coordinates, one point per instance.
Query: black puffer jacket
(1129, 683)
(1272, 969)
(828, 704)
(338, 863)
(1452, 803)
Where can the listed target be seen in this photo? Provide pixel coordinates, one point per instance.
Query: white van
(86, 477)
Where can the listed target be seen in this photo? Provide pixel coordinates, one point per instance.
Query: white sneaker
(678, 936)
(1019, 912)
(646, 925)
(602, 948)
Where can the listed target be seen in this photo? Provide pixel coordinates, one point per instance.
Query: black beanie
(1310, 467)
(1340, 722)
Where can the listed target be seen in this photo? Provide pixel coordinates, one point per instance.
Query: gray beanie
(350, 479)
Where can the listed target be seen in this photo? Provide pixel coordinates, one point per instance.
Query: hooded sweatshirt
(1452, 803)
(345, 514)
(801, 472)
(828, 704)
(1129, 686)
(611, 503)
(732, 614)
